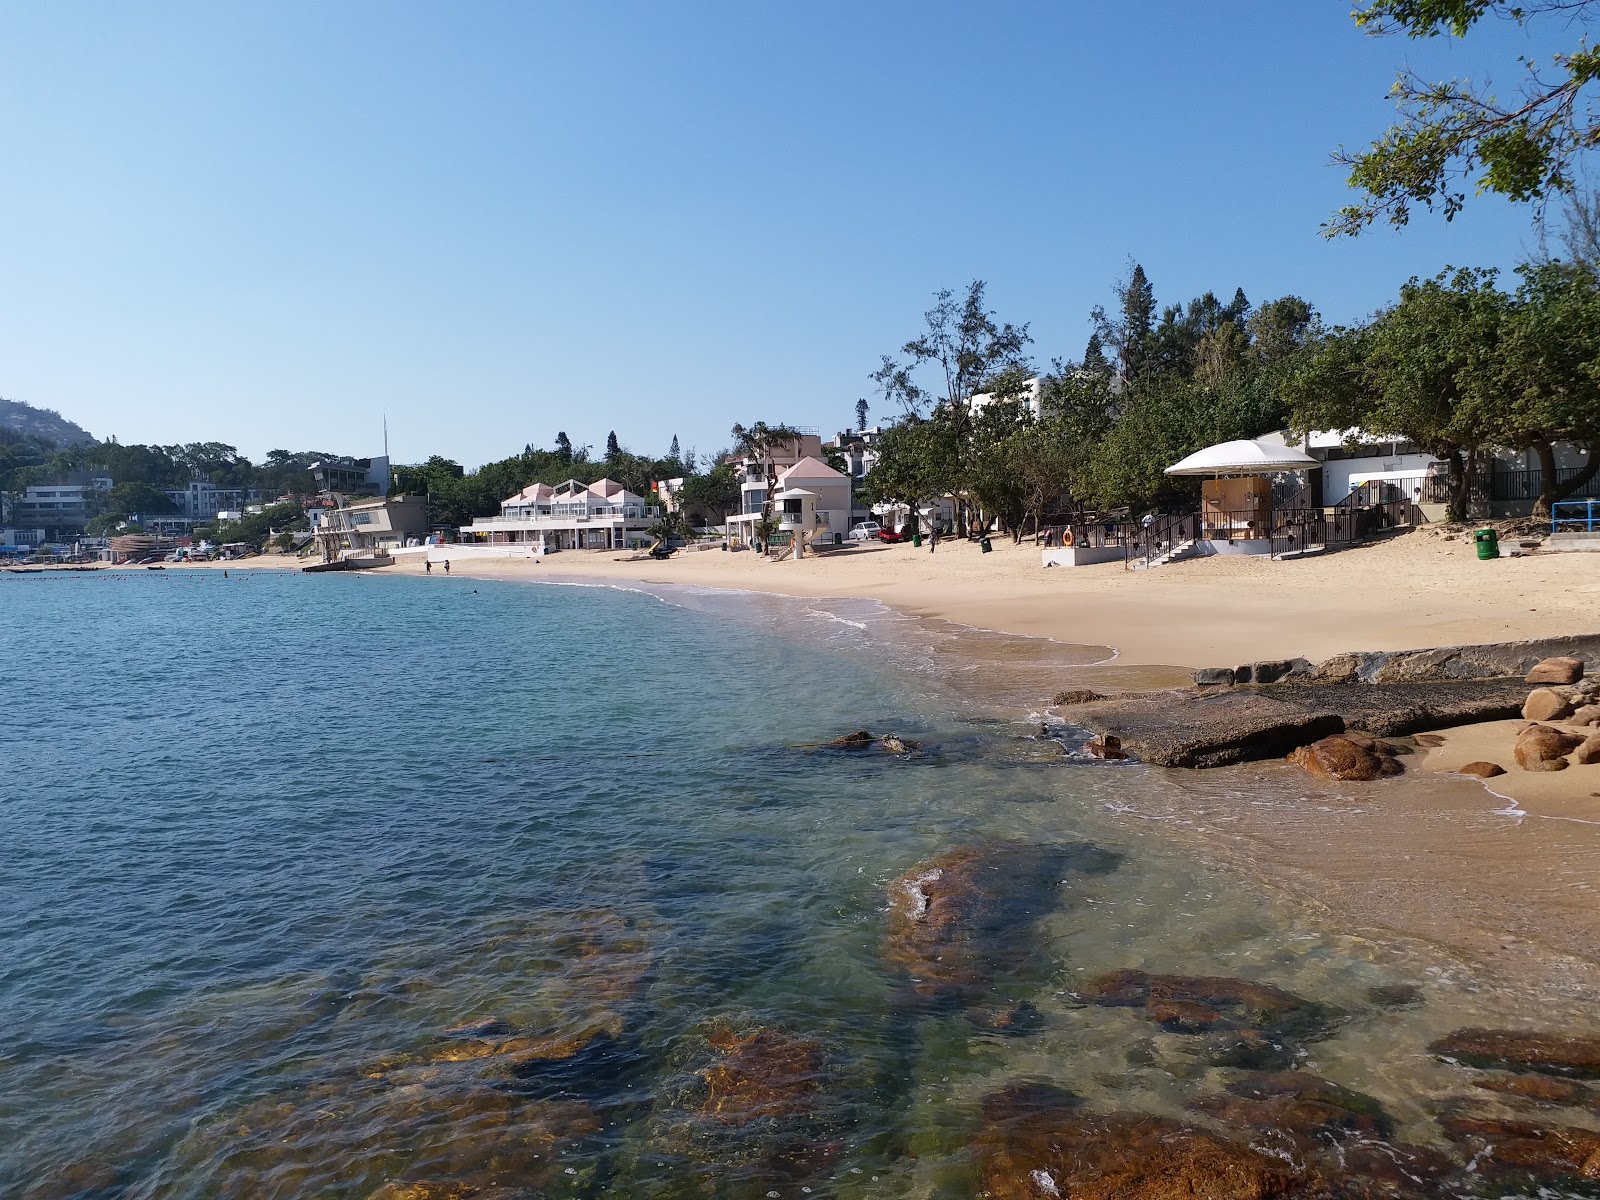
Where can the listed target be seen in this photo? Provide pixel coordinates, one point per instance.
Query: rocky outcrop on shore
(1273, 709)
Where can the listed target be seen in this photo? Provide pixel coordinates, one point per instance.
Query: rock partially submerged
(1214, 728)
(962, 918)
(862, 739)
(1572, 1056)
(1347, 756)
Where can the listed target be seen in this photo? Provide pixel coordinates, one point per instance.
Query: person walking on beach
(447, 566)
(427, 566)
(933, 538)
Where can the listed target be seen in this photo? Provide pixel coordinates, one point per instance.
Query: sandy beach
(1412, 590)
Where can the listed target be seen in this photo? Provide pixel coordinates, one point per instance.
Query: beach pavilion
(1237, 507)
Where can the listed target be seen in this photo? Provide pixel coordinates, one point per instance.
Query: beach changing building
(602, 515)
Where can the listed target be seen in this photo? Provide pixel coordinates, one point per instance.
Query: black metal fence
(1509, 487)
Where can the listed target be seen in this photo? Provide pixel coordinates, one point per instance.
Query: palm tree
(759, 442)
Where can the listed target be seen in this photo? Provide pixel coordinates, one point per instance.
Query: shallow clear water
(269, 837)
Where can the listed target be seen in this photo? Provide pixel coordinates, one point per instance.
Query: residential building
(61, 509)
(602, 515)
(353, 476)
(377, 525)
(202, 500)
(752, 472)
(811, 498)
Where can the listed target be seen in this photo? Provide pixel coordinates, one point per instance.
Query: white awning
(1242, 457)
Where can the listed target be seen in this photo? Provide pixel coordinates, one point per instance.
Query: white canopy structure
(1242, 457)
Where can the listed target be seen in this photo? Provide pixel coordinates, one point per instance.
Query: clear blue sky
(271, 224)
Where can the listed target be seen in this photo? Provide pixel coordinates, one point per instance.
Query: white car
(864, 531)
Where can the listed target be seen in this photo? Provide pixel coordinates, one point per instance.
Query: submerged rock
(1347, 757)
(1298, 1103)
(1250, 1024)
(1036, 1143)
(1541, 1088)
(764, 1073)
(959, 919)
(1511, 1149)
(747, 1107)
(1576, 1057)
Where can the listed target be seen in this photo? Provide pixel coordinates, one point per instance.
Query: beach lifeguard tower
(796, 510)
(1236, 506)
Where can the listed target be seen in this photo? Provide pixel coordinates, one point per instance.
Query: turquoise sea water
(317, 886)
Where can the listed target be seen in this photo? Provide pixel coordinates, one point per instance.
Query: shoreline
(1402, 859)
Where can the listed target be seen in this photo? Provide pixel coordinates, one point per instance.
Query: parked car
(864, 531)
(889, 535)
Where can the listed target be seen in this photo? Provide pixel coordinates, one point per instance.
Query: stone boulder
(1483, 770)
(1546, 704)
(1589, 714)
(1588, 753)
(1572, 1056)
(1545, 748)
(1108, 747)
(859, 740)
(1561, 670)
(1298, 1104)
(1035, 1143)
(1076, 696)
(1346, 757)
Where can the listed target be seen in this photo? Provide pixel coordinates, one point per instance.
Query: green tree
(762, 442)
(1550, 355)
(862, 409)
(918, 461)
(1129, 333)
(564, 446)
(1456, 133)
(715, 493)
(1427, 370)
(613, 448)
(135, 497)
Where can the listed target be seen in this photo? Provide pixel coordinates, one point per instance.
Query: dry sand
(1571, 795)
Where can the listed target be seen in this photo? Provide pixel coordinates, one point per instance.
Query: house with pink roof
(602, 515)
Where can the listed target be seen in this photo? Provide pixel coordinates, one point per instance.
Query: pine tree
(673, 452)
(613, 449)
(1094, 357)
(861, 414)
(564, 446)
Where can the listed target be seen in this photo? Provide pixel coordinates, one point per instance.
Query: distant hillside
(27, 421)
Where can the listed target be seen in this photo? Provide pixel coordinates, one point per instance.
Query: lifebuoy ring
(1069, 539)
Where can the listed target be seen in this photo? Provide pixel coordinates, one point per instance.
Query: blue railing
(1575, 516)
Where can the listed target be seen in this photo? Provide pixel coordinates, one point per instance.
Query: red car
(889, 535)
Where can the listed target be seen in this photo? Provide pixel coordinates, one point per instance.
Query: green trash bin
(1488, 543)
(916, 540)
(983, 544)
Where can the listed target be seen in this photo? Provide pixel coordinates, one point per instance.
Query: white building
(602, 515)
(353, 476)
(811, 499)
(57, 507)
(202, 500)
(377, 525)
